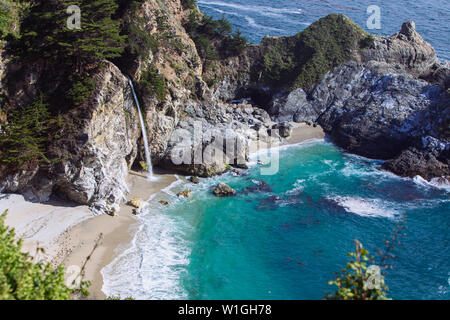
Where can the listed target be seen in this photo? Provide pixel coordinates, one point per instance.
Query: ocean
(284, 236)
(257, 18)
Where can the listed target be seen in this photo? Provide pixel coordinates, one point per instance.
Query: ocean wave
(297, 187)
(367, 207)
(439, 183)
(262, 10)
(152, 267)
(250, 21)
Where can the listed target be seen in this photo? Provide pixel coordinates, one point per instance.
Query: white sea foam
(297, 187)
(151, 267)
(367, 207)
(439, 183)
(263, 10)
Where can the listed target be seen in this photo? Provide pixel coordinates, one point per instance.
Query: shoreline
(75, 239)
(117, 232)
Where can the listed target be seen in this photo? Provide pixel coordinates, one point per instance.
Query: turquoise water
(257, 18)
(285, 240)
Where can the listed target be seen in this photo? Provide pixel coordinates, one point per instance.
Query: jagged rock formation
(382, 105)
(95, 156)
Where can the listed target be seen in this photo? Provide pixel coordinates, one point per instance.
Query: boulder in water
(194, 180)
(260, 186)
(185, 194)
(224, 190)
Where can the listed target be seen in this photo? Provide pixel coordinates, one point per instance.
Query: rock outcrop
(382, 105)
(224, 190)
(94, 157)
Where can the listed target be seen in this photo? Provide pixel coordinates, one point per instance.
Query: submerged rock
(185, 194)
(223, 190)
(260, 186)
(194, 180)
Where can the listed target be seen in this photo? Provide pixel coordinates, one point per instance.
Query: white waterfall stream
(144, 132)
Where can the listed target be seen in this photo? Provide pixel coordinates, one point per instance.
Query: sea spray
(144, 132)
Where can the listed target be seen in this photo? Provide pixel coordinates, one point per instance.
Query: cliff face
(382, 97)
(388, 103)
(95, 152)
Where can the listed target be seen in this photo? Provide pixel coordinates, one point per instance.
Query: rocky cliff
(391, 102)
(380, 97)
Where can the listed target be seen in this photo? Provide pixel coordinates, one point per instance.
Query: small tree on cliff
(45, 32)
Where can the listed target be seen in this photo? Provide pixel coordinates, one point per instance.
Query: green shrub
(367, 41)
(21, 278)
(303, 60)
(81, 90)
(24, 136)
(153, 83)
(234, 45)
(357, 281)
(188, 4)
(44, 33)
(213, 38)
(11, 13)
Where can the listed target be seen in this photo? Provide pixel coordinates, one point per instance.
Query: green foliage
(139, 42)
(21, 278)
(234, 45)
(81, 89)
(214, 38)
(24, 136)
(153, 83)
(357, 281)
(45, 33)
(188, 4)
(303, 60)
(11, 13)
(367, 41)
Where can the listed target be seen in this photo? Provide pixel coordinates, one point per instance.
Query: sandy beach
(68, 232)
(116, 232)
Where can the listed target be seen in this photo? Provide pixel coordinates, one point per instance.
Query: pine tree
(98, 37)
(23, 138)
(45, 33)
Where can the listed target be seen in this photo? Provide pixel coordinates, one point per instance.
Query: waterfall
(144, 132)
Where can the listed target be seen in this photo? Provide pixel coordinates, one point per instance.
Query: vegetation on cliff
(303, 60)
(45, 33)
(24, 136)
(153, 83)
(11, 14)
(214, 39)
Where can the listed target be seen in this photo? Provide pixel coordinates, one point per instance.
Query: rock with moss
(224, 190)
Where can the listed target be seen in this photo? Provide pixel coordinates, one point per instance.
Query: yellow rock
(136, 203)
(185, 194)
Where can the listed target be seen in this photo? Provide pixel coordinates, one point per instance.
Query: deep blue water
(257, 18)
(287, 241)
